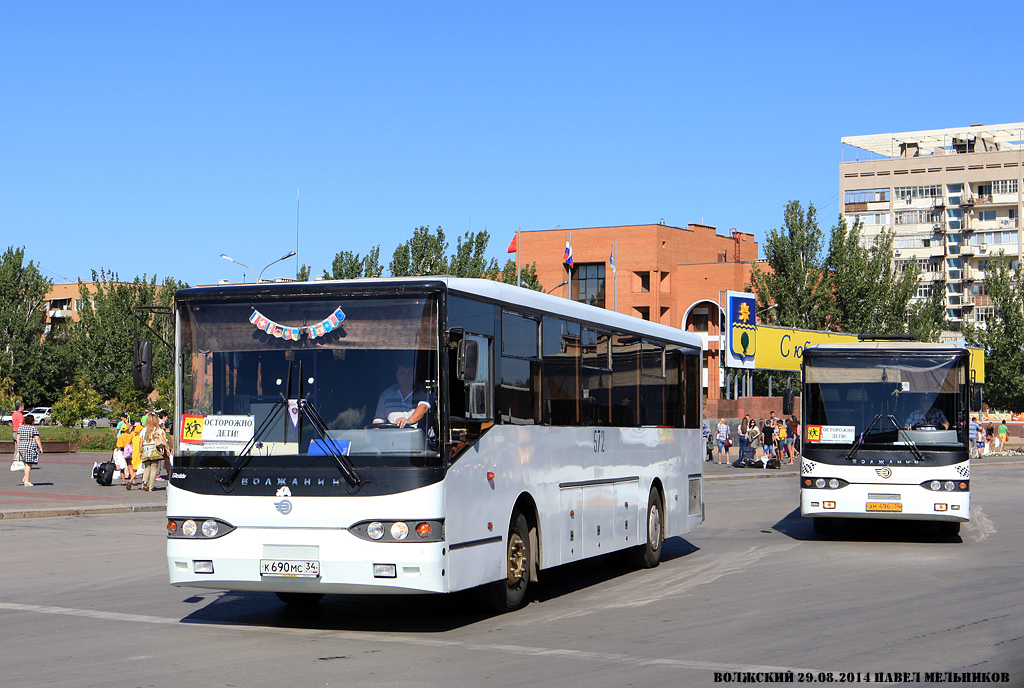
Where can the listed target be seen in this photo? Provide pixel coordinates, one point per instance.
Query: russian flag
(568, 253)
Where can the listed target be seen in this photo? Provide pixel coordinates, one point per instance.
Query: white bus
(886, 433)
(554, 431)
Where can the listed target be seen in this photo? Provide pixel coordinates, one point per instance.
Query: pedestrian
(724, 440)
(17, 418)
(781, 437)
(29, 446)
(709, 441)
(1003, 431)
(742, 435)
(753, 438)
(154, 446)
(990, 440)
(973, 436)
(768, 438)
(980, 441)
(137, 450)
(796, 437)
(124, 446)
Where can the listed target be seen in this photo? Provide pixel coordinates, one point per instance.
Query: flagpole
(615, 273)
(519, 271)
(569, 265)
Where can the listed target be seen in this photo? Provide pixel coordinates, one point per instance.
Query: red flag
(513, 247)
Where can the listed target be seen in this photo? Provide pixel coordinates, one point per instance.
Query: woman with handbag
(154, 444)
(29, 446)
(724, 440)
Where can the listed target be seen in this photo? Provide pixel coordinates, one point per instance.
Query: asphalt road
(84, 601)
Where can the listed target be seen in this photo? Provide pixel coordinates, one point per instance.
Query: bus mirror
(142, 365)
(467, 360)
(976, 398)
(787, 402)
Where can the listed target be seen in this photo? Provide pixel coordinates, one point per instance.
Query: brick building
(670, 275)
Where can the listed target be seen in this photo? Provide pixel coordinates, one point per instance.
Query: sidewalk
(63, 486)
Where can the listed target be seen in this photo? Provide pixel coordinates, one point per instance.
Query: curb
(78, 511)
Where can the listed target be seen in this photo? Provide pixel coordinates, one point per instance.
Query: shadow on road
(405, 613)
(863, 530)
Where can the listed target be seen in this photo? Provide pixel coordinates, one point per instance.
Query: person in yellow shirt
(124, 439)
(136, 447)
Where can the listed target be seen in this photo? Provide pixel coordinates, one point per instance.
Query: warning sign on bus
(831, 434)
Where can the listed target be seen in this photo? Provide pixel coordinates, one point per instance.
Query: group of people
(990, 439)
(142, 448)
(767, 438)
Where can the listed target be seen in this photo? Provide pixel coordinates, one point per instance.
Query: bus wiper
(316, 420)
(900, 432)
(245, 455)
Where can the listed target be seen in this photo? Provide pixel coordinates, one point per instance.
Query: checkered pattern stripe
(964, 471)
(807, 466)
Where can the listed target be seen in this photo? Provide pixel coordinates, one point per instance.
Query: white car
(41, 415)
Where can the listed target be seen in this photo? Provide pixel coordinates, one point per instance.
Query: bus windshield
(290, 383)
(880, 399)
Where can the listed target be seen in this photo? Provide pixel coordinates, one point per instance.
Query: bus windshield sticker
(831, 434)
(226, 433)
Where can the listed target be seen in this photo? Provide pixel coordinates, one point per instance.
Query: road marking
(406, 640)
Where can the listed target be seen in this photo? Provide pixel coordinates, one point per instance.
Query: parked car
(41, 414)
(97, 422)
(7, 417)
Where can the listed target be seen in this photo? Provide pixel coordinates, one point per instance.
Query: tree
(22, 306)
(303, 274)
(77, 402)
(423, 254)
(868, 293)
(927, 319)
(349, 265)
(1003, 336)
(106, 338)
(795, 281)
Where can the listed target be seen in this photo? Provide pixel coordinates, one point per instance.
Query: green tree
(349, 265)
(927, 318)
(1003, 337)
(423, 254)
(303, 274)
(22, 306)
(8, 398)
(868, 293)
(77, 402)
(795, 281)
(106, 338)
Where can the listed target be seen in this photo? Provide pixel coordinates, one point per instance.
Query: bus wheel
(822, 525)
(300, 599)
(648, 555)
(949, 527)
(509, 594)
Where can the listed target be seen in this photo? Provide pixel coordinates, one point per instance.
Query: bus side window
(560, 372)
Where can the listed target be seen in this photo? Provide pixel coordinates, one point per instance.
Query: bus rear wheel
(300, 599)
(510, 593)
(648, 555)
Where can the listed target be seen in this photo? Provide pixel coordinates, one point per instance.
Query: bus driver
(402, 404)
(926, 415)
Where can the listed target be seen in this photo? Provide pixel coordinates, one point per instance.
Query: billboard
(740, 329)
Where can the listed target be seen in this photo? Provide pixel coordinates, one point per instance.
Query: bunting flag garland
(265, 324)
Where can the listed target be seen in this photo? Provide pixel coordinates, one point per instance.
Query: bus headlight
(949, 485)
(180, 528)
(833, 483)
(375, 530)
(399, 530)
(819, 483)
(188, 528)
(210, 528)
(935, 485)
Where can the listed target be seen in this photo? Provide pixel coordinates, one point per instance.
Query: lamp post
(284, 257)
(765, 310)
(260, 277)
(561, 284)
(227, 257)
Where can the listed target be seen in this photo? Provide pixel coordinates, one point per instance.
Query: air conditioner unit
(983, 249)
(937, 225)
(896, 252)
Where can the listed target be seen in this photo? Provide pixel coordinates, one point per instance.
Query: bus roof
(490, 290)
(901, 347)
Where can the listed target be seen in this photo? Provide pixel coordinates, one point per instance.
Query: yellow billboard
(782, 348)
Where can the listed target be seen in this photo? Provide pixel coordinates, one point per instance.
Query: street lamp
(765, 310)
(260, 277)
(284, 257)
(561, 284)
(227, 257)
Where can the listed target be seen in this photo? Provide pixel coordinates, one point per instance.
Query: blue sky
(149, 138)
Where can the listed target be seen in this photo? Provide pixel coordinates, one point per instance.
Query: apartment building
(954, 198)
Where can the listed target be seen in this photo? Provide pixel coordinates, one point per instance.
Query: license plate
(885, 506)
(290, 568)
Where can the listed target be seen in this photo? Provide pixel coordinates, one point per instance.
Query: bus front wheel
(648, 555)
(509, 593)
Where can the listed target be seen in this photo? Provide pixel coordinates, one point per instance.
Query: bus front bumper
(886, 501)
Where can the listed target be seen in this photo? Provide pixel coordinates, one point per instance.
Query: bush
(94, 439)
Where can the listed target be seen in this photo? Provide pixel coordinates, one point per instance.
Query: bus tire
(300, 599)
(509, 594)
(822, 525)
(949, 527)
(648, 555)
